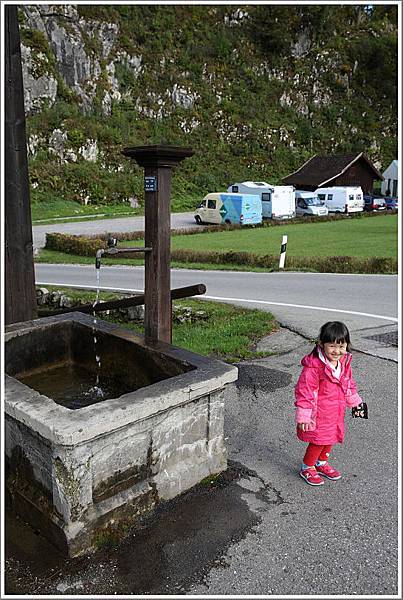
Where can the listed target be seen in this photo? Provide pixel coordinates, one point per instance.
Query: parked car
(391, 203)
(374, 202)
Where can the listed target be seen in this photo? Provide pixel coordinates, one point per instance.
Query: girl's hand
(303, 426)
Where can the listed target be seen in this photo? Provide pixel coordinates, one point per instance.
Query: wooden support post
(158, 162)
(20, 296)
(157, 282)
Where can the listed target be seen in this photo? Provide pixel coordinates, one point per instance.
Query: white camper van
(347, 199)
(309, 205)
(278, 201)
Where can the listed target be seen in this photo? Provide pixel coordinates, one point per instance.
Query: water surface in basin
(73, 386)
(58, 360)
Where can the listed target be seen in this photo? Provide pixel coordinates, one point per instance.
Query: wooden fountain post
(158, 162)
(20, 296)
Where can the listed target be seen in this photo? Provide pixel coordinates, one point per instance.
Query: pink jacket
(321, 399)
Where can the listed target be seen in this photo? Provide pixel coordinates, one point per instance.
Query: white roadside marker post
(282, 252)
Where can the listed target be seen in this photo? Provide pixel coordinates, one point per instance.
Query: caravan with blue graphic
(232, 209)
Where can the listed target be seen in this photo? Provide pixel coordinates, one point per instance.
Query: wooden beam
(183, 292)
(20, 296)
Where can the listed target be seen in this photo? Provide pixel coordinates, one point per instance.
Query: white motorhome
(340, 199)
(307, 204)
(278, 201)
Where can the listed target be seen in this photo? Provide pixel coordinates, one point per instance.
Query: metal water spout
(113, 249)
(98, 257)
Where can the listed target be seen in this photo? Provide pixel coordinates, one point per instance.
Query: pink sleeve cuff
(303, 415)
(353, 400)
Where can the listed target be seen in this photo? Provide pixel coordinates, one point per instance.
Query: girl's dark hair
(334, 332)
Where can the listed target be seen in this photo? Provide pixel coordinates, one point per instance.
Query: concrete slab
(279, 342)
(289, 336)
(376, 341)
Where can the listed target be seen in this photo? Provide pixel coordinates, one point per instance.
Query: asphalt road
(259, 529)
(368, 304)
(340, 538)
(124, 224)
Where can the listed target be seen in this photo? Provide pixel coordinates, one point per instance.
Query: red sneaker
(329, 472)
(310, 475)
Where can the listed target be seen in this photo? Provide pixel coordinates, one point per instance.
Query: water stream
(96, 390)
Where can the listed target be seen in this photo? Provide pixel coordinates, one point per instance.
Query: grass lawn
(57, 210)
(365, 237)
(229, 332)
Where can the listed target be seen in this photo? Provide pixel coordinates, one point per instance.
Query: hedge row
(82, 246)
(322, 264)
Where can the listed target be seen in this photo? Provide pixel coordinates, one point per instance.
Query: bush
(73, 244)
(81, 245)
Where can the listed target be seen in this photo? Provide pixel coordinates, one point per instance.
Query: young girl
(324, 389)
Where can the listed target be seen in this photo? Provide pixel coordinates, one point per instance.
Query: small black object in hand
(360, 411)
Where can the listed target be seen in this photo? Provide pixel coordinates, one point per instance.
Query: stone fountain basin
(75, 474)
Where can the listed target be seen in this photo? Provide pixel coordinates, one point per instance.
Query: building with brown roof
(346, 169)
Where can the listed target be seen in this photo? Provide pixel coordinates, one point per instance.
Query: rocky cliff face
(64, 32)
(255, 90)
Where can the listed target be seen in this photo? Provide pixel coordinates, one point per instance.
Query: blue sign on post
(150, 184)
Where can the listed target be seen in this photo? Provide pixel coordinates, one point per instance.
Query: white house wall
(391, 179)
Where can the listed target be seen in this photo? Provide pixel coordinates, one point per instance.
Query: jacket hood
(312, 361)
